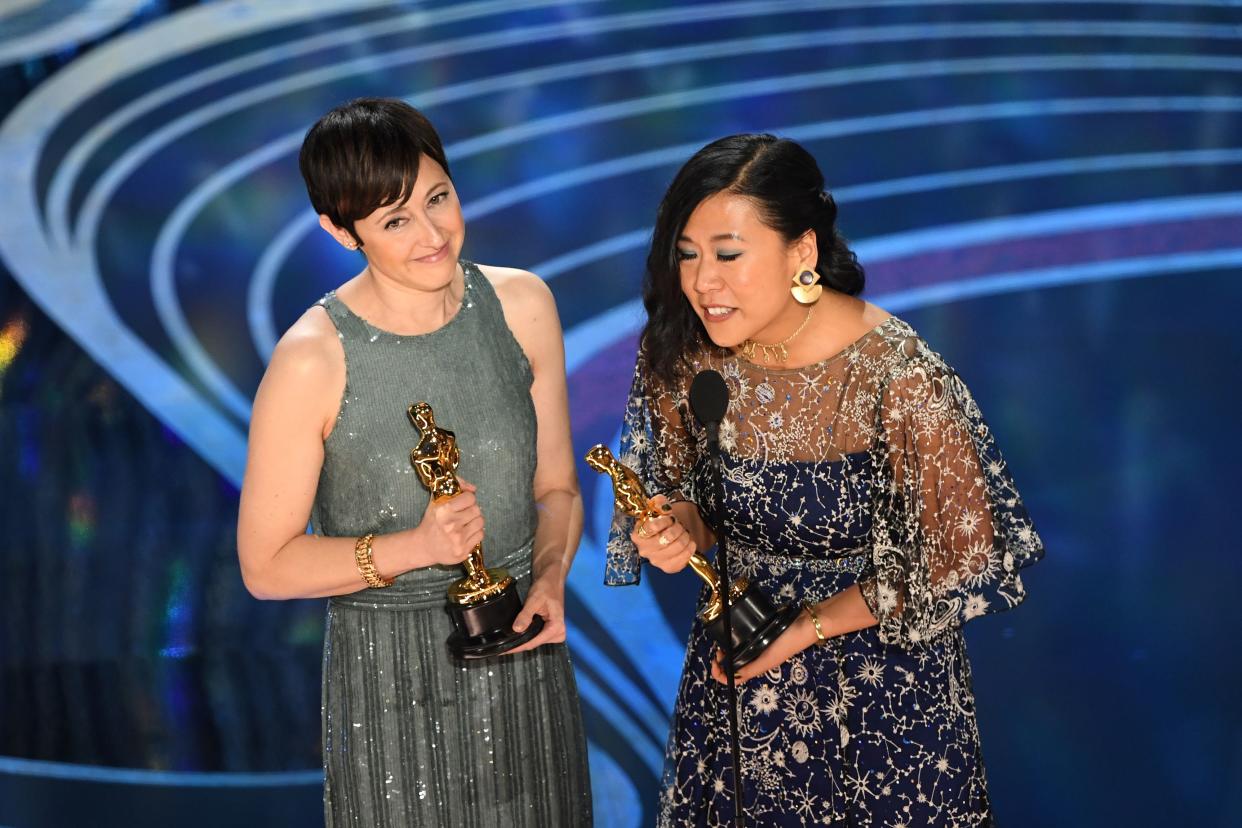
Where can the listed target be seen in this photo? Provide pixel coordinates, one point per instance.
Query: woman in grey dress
(410, 735)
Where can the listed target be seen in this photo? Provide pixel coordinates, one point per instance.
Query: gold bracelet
(819, 631)
(366, 564)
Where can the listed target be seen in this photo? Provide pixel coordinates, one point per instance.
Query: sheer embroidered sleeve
(950, 531)
(657, 446)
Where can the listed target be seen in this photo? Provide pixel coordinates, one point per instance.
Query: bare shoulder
(518, 288)
(304, 381)
(530, 312)
(846, 320)
(529, 308)
(310, 348)
(874, 315)
(306, 371)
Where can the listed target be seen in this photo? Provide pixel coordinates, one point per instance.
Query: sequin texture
(410, 736)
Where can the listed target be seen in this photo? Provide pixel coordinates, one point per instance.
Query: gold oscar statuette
(755, 622)
(631, 499)
(484, 603)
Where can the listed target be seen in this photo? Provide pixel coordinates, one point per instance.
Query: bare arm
(530, 312)
(845, 612)
(293, 412)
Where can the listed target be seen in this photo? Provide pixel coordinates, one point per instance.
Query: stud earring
(806, 289)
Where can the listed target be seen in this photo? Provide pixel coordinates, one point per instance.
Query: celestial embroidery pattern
(873, 467)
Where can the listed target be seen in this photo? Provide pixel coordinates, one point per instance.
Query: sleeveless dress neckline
(469, 298)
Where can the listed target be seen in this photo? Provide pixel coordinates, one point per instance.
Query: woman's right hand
(450, 529)
(663, 540)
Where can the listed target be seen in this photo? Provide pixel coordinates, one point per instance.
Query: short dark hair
(364, 155)
(787, 187)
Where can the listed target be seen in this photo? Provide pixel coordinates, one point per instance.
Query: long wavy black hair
(787, 187)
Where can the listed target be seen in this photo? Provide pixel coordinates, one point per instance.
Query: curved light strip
(86, 145)
(592, 336)
(551, 268)
(157, 399)
(626, 165)
(834, 77)
(597, 334)
(132, 776)
(83, 310)
(642, 610)
(263, 282)
(38, 114)
(68, 170)
(16, 7)
(64, 282)
(1031, 225)
(645, 634)
(583, 341)
(61, 30)
(168, 305)
(1039, 169)
(624, 242)
(612, 791)
(163, 396)
(163, 288)
(641, 720)
(134, 155)
(1060, 276)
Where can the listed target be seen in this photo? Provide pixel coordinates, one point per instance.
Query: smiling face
(414, 242)
(736, 271)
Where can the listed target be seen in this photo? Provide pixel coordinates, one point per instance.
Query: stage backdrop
(1050, 192)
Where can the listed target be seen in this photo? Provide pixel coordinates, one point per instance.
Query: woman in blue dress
(859, 480)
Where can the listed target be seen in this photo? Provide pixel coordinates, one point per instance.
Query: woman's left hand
(792, 641)
(547, 600)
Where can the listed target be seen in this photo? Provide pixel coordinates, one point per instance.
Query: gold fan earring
(806, 288)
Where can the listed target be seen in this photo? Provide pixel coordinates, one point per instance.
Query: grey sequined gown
(411, 737)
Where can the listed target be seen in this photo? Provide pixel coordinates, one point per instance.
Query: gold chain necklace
(778, 351)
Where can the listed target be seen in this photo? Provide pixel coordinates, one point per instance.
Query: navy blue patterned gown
(874, 467)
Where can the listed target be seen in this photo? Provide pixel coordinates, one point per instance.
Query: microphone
(709, 400)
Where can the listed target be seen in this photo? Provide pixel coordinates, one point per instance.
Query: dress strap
(348, 325)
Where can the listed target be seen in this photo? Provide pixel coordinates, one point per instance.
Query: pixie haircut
(786, 186)
(364, 155)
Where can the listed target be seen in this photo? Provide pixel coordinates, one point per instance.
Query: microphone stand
(726, 586)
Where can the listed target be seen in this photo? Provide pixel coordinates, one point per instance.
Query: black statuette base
(485, 629)
(756, 624)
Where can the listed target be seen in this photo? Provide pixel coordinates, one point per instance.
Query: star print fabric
(874, 467)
